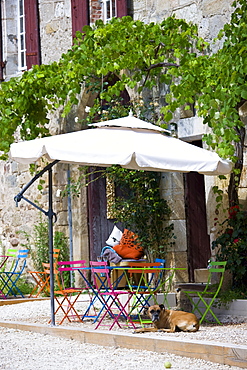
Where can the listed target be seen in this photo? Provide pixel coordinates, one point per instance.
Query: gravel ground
(26, 350)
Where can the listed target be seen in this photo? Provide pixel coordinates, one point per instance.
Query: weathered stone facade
(56, 38)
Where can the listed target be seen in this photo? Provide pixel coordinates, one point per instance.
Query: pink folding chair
(110, 298)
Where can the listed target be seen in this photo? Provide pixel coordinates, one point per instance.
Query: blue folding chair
(102, 284)
(9, 279)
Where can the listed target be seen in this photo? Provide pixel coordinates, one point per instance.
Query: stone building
(39, 31)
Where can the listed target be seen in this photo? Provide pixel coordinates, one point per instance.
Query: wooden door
(99, 226)
(198, 240)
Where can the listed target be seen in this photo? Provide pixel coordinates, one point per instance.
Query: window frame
(21, 36)
(112, 10)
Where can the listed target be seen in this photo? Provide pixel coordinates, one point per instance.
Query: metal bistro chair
(9, 279)
(73, 267)
(201, 291)
(11, 252)
(65, 297)
(150, 283)
(41, 280)
(110, 298)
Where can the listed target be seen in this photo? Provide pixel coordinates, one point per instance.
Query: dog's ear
(162, 307)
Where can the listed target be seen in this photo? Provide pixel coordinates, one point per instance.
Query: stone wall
(55, 29)
(210, 15)
(9, 29)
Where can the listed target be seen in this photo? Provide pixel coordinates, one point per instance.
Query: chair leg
(71, 311)
(41, 285)
(208, 310)
(108, 309)
(195, 305)
(10, 284)
(122, 311)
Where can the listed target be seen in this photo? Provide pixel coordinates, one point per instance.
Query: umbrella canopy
(129, 142)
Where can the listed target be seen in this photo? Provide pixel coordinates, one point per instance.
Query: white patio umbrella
(129, 142)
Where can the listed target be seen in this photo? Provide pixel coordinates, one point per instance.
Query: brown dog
(169, 320)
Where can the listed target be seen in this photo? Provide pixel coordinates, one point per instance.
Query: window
(21, 37)
(109, 10)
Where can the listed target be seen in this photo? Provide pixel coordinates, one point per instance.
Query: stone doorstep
(222, 353)
(235, 308)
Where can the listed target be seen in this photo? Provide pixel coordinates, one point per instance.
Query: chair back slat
(217, 266)
(47, 271)
(101, 275)
(21, 260)
(161, 261)
(145, 267)
(70, 265)
(56, 252)
(12, 252)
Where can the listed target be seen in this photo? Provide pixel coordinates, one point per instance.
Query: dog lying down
(170, 321)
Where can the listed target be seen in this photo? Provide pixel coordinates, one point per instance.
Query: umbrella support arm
(19, 196)
(47, 213)
(50, 214)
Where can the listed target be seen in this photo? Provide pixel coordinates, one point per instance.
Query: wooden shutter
(122, 8)
(80, 15)
(33, 56)
(1, 46)
(196, 221)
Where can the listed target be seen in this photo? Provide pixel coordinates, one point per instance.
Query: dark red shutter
(1, 46)
(122, 8)
(80, 15)
(33, 56)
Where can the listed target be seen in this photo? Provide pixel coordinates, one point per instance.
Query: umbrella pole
(50, 216)
(70, 227)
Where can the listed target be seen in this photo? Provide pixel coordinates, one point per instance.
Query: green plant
(227, 296)
(141, 209)
(41, 244)
(25, 286)
(40, 250)
(231, 246)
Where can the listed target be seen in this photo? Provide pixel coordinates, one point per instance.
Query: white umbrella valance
(129, 142)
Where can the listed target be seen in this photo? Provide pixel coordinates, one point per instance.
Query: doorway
(198, 241)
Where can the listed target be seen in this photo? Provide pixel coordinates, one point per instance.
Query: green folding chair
(202, 291)
(9, 279)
